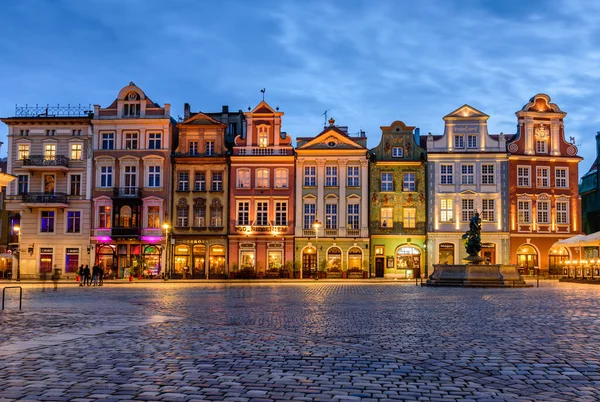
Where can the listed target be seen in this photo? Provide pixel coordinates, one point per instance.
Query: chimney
(186, 111)
(225, 109)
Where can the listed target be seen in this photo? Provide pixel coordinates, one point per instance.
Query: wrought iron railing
(264, 151)
(45, 198)
(53, 111)
(42, 160)
(127, 192)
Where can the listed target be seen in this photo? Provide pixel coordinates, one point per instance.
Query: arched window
(334, 259)
(126, 217)
(355, 259)
(243, 178)
(199, 213)
(263, 136)
(216, 213)
(262, 178)
(281, 178)
(182, 213)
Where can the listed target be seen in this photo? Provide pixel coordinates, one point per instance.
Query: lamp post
(316, 225)
(166, 227)
(17, 229)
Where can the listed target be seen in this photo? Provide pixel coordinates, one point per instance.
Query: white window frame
(159, 174)
(102, 204)
(261, 213)
(354, 223)
(353, 176)
(331, 214)
(309, 213)
(216, 185)
(467, 209)
(281, 213)
(331, 176)
(131, 138)
(459, 141)
(471, 141)
(23, 153)
(409, 218)
(387, 182)
(542, 176)
(246, 211)
(310, 176)
(242, 178)
(446, 174)
(488, 210)
(17, 182)
(111, 175)
(199, 185)
(409, 182)
(281, 178)
(262, 136)
(446, 210)
(209, 148)
(158, 214)
(523, 211)
(387, 217)
(543, 213)
(152, 142)
(73, 151)
(562, 212)
(262, 178)
(561, 180)
(55, 217)
(81, 189)
(107, 138)
(541, 146)
(523, 176)
(183, 180)
(397, 152)
(467, 174)
(487, 174)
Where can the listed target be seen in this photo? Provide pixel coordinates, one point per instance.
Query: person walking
(95, 275)
(101, 274)
(86, 276)
(80, 273)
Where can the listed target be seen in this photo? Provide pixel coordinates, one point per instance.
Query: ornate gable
(466, 112)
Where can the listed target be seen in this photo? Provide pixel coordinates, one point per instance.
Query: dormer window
(459, 141)
(263, 136)
(397, 152)
(471, 141)
(541, 146)
(132, 104)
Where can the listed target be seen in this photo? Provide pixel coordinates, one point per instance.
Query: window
(409, 216)
(446, 210)
(280, 213)
(76, 152)
(106, 176)
(23, 151)
(523, 176)
(217, 181)
(23, 187)
(75, 184)
(47, 222)
(387, 217)
(154, 217)
(154, 176)
(50, 133)
(262, 178)
(409, 184)
(471, 141)
(262, 214)
(387, 181)
(155, 141)
(524, 211)
(199, 214)
(216, 214)
(73, 222)
(487, 174)
(310, 176)
(331, 173)
(330, 216)
(243, 213)
(353, 216)
(131, 141)
(281, 178)
(49, 181)
(397, 152)
(561, 177)
(541, 146)
(182, 216)
(263, 137)
(184, 181)
(131, 109)
(468, 209)
(543, 177)
(200, 181)
(467, 174)
(543, 212)
(23, 132)
(108, 141)
(243, 178)
(562, 212)
(193, 148)
(353, 176)
(488, 209)
(446, 174)
(459, 141)
(49, 152)
(77, 133)
(104, 217)
(310, 213)
(209, 148)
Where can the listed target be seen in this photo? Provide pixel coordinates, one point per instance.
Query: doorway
(527, 259)
(309, 263)
(379, 267)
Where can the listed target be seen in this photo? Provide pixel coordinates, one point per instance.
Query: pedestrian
(95, 275)
(80, 274)
(55, 276)
(101, 275)
(86, 276)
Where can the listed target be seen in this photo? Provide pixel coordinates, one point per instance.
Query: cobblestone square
(311, 341)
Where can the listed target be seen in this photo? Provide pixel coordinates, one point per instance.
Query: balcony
(263, 151)
(42, 162)
(121, 232)
(53, 200)
(127, 192)
(353, 233)
(331, 233)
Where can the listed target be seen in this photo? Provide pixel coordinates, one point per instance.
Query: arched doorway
(527, 259)
(355, 259)
(199, 251)
(408, 261)
(151, 259)
(309, 263)
(106, 256)
(557, 256)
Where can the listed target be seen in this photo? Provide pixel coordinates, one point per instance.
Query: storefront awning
(580, 240)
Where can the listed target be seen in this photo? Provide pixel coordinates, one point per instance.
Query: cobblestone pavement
(313, 341)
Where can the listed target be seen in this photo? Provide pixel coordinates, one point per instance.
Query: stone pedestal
(474, 275)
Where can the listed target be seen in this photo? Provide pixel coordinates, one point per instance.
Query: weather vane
(263, 92)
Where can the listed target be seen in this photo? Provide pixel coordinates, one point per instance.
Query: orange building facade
(261, 201)
(543, 188)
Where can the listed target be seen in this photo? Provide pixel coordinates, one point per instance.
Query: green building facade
(398, 205)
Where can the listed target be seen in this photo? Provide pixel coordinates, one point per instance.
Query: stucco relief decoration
(571, 150)
(374, 198)
(513, 147)
(410, 200)
(199, 202)
(387, 146)
(385, 199)
(421, 198)
(542, 131)
(407, 146)
(182, 203)
(465, 129)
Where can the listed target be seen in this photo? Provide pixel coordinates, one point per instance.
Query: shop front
(130, 259)
(527, 259)
(199, 258)
(401, 261)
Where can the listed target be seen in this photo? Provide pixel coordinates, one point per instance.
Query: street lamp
(316, 225)
(166, 227)
(17, 230)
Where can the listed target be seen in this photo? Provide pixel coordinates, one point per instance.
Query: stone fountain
(474, 273)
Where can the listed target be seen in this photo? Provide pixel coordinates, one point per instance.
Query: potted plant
(288, 270)
(322, 269)
(234, 270)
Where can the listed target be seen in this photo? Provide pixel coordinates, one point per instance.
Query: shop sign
(447, 246)
(246, 245)
(488, 245)
(72, 251)
(275, 245)
(191, 241)
(46, 250)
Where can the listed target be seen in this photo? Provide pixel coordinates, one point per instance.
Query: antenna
(263, 92)
(325, 114)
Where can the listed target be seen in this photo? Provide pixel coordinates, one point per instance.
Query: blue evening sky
(370, 62)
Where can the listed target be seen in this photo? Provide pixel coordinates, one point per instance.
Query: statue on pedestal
(472, 240)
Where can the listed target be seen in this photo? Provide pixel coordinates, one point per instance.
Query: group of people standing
(95, 277)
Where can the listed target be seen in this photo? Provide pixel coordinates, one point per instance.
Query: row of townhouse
(228, 195)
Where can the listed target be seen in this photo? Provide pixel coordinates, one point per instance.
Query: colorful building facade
(332, 184)
(467, 174)
(131, 191)
(261, 198)
(200, 198)
(398, 207)
(543, 186)
(49, 151)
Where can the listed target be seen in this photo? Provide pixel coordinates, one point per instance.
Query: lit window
(104, 217)
(262, 178)
(50, 152)
(387, 217)
(409, 216)
(281, 178)
(243, 178)
(76, 152)
(23, 151)
(446, 210)
(154, 217)
(263, 136)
